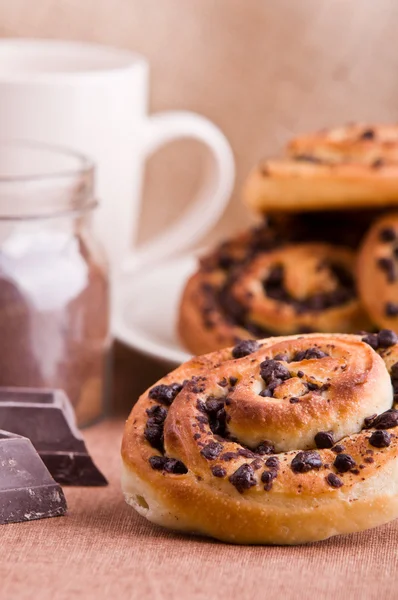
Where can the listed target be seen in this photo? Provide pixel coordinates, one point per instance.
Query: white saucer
(146, 305)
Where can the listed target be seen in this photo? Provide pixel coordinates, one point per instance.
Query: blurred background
(261, 70)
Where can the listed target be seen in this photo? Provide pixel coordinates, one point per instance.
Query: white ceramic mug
(94, 99)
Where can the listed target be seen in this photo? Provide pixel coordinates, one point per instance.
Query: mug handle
(211, 199)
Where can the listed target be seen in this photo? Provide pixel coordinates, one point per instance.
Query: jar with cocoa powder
(54, 292)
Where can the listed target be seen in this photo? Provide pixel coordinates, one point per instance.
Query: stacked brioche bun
(326, 258)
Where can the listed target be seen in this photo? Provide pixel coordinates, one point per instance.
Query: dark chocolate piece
(46, 417)
(27, 490)
(305, 461)
(387, 234)
(244, 348)
(380, 439)
(243, 478)
(391, 309)
(387, 338)
(334, 481)
(344, 462)
(387, 419)
(324, 439)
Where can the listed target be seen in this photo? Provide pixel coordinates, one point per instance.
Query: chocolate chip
(227, 456)
(175, 466)
(391, 309)
(165, 393)
(368, 421)
(324, 439)
(394, 371)
(157, 413)
(372, 340)
(313, 353)
(387, 234)
(153, 431)
(369, 459)
(267, 478)
(283, 357)
(312, 387)
(272, 370)
(272, 462)
(243, 478)
(266, 393)
(214, 404)
(305, 461)
(344, 462)
(275, 275)
(265, 448)
(233, 381)
(325, 386)
(244, 348)
(368, 134)
(274, 384)
(246, 453)
(225, 260)
(338, 449)
(211, 450)
(257, 463)
(170, 465)
(380, 439)
(218, 423)
(334, 481)
(386, 420)
(157, 462)
(218, 471)
(387, 338)
(388, 266)
(294, 400)
(300, 374)
(378, 163)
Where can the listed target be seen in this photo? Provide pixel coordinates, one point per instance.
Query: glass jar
(54, 292)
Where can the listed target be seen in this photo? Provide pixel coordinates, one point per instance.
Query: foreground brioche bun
(282, 441)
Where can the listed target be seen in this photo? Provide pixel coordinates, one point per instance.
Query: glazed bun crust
(349, 167)
(271, 442)
(356, 142)
(296, 184)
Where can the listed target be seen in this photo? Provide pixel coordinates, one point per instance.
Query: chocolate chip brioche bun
(339, 169)
(282, 441)
(276, 291)
(377, 272)
(356, 142)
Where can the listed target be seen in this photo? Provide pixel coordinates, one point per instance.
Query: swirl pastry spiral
(349, 167)
(377, 271)
(281, 441)
(275, 291)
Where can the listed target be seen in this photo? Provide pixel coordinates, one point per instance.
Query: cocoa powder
(54, 316)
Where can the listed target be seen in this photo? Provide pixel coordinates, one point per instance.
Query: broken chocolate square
(27, 490)
(46, 417)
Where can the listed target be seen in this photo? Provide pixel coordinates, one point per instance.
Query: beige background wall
(261, 69)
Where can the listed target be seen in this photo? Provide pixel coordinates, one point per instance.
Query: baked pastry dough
(282, 441)
(285, 290)
(377, 272)
(349, 167)
(356, 142)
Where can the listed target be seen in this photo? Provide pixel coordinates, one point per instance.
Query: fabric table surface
(103, 549)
